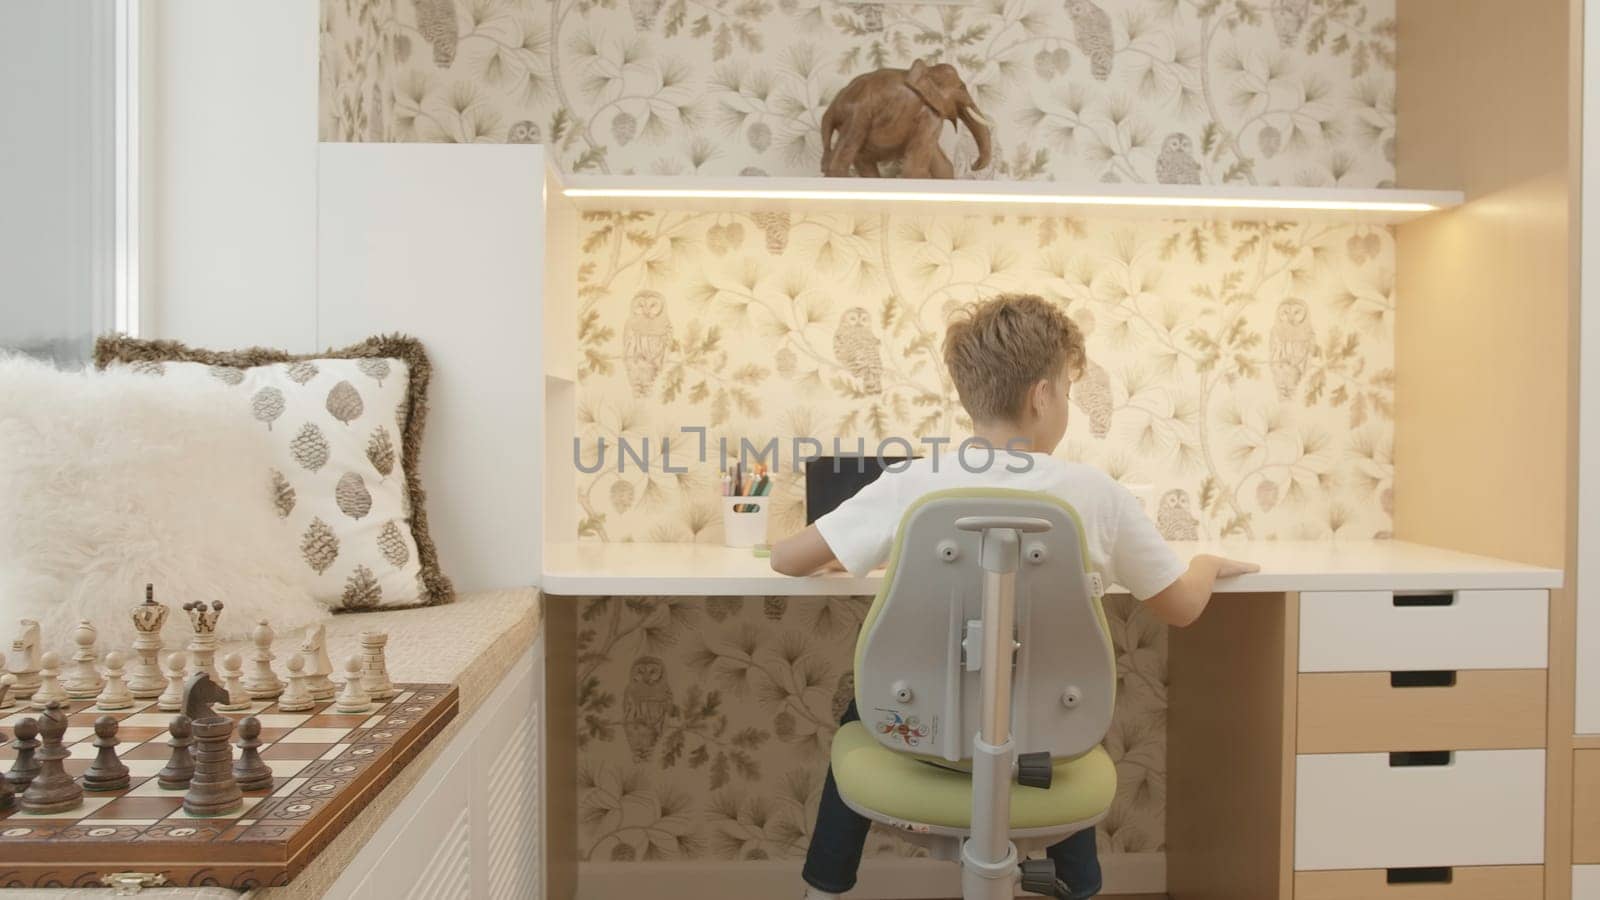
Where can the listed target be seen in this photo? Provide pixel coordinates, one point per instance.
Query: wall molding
(881, 879)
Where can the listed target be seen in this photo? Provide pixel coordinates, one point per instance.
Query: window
(68, 156)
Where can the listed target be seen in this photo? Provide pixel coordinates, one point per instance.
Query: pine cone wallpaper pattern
(344, 402)
(319, 546)
(376, 368)
(1292, 92)
(352, 495)
(301, 373)
(310, 447)
(380, 451)
(282, 494)
(339, 486)
(392, 544)
(361, 590)
(1244, 371)
(267, 405)
(229, 375)
(704, 725)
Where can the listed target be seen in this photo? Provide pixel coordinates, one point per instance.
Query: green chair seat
(899, 786)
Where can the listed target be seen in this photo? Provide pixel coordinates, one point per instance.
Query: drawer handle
(1441, 678)
(1425, 599)
(1408, 759)
(1421, 875)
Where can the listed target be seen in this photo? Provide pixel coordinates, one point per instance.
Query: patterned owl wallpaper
(1242, 371)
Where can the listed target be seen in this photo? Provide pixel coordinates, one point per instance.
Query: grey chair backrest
(913, 689)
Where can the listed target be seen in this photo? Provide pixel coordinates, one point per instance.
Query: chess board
(326, 768)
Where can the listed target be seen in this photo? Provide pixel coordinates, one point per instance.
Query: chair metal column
(989, 858)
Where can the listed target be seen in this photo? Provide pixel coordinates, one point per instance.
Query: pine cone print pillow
(345, 428)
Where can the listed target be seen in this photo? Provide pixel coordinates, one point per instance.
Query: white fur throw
(109, 480)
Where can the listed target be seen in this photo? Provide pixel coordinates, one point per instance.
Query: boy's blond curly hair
(997, 349)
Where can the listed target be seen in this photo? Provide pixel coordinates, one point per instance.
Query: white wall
(231, 171)
(56, 165)
(446, 242)
(413, 241)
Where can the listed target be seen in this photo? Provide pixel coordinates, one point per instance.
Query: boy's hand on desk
(1182, 601)
(1228, 568)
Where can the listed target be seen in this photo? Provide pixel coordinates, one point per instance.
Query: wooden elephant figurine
(898, 114)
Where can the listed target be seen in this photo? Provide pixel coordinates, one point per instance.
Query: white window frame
(127, 59)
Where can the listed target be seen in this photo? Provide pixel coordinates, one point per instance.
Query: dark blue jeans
(840, 836)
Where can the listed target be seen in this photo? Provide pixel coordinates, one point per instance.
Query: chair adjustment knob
(1039, 876)
(1035, 770)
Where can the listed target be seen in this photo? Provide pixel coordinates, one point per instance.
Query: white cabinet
(473, 827)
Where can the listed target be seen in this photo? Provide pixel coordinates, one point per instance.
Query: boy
(1013, 360)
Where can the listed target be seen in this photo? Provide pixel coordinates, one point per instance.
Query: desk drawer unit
(1381, 631)
(1470, 709)
(1461, 883)
(1400, 810)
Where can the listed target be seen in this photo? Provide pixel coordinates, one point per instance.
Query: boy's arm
(803, 553)
(1184, 600)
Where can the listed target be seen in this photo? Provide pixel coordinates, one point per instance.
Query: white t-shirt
(1124, 545)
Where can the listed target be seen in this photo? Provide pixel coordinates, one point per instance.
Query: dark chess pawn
(106, 773)
(25, 766)
(213, 790)
(249, 770)
(52, 790)
(8, 795)
(175, 775)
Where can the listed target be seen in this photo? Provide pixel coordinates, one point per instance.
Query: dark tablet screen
(831, 480)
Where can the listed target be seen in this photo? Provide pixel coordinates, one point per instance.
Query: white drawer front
(1586, 883)
(1365, 631)
(1356, 811)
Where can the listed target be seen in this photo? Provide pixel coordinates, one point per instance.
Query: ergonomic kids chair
(985, 680)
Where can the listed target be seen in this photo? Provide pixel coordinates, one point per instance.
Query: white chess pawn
(115, 695)
(82, 679)
(8, 691)
(171, 699)
(49, 681)
(262, 682)
(295, 697)
(353, 698)
(233, 683)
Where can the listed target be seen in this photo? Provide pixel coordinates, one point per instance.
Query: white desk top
(626, 569)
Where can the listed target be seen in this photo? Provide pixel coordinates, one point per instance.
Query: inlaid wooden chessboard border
(269, 842)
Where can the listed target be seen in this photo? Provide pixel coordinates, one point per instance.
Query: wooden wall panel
(1484, 453)
(1230, 751)
(1586, 807)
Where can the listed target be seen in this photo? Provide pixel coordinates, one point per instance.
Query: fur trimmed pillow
(112, 480)
(345, 428)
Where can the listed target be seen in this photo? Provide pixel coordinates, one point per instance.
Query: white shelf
(928, 196)
(644, 569)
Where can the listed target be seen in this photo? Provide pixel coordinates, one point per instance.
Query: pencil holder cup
(744, 520)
